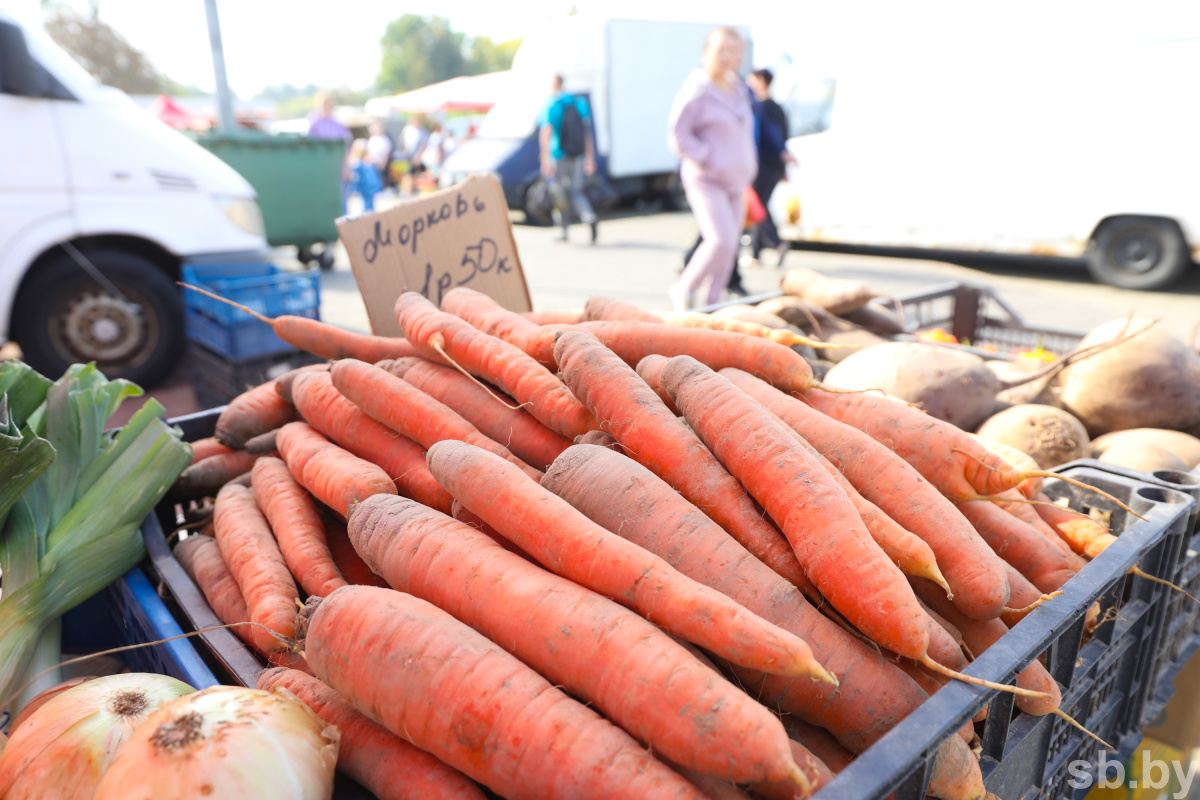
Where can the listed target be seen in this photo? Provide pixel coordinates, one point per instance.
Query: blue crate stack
(230, 350)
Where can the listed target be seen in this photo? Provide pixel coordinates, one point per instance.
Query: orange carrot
(651, 434)
(830, 540)
(327, 410)
(200, 558)
(1024, 594)
(473, 520)
(626, 498)
(322, 339)
(600, 439)
(975, 574)
(203, 448)
(209, 475)
(813, 768)
(443, 687)
(283, 384)
(571, 545)
(442, 337)
(385, 764)
(409, 411)
(649, 369)
(1027, 513)
(257, 411)
(528, 439)
(256, 564)
(1083, 534)
(599, 307)
(819, 742)
(348, 561)
(663, 696)
(335, 477)
(1031, 553)
(561, 317)
(297, 526)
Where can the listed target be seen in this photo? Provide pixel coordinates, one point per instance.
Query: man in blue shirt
(568, 153)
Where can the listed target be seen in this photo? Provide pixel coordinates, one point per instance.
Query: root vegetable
(1049, 435)
(1143, 457)
(1185, 446)
(835, 295)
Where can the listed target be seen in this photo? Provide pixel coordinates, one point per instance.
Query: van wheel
(62, 316)
(1138, 253)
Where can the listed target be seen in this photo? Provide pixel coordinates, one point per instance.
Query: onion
(226, 742)
(43, 697)
(63, 749)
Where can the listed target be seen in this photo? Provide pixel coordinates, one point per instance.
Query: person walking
(773, 156)
(711, 129)
(568, 153)
(323, 125)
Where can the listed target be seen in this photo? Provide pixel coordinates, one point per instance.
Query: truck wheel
(1138, 253)
(62, 316)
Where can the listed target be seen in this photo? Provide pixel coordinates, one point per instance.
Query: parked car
(100, 204)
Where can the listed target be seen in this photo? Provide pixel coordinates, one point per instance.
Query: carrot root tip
(1034, 604)
(930, 664)
(797, 776)
(1058, 712)
(1143, 574)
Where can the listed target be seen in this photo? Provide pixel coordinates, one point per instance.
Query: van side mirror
(18, 74)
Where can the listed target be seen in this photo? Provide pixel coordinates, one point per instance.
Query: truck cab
(100, 204)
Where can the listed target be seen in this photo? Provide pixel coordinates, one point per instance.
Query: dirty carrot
(600, 439)
(348, 561)
(444, 338)
(649, 369)
(1032, 554)
(257, 411)
(327, 410)
(407, 410)
(652, 435)
(322, 339)
(422, 674)
(599, 307)
(256, 564)
(334, 476)
(528, 439)
(209, 475)
(283, 384)
(389, 767)
(201, 559)
(663, 695)
(297, 526)
(976, 575)
(1082, 533)
(569, 316)
(203, 448)
(571, 545)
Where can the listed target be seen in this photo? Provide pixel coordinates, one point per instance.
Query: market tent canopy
(465, 93)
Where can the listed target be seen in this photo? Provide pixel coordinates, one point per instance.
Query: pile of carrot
(612, 556)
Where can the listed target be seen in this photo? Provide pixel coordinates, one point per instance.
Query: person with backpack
(568, 154)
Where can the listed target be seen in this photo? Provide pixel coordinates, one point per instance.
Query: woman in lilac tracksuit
(712, 132)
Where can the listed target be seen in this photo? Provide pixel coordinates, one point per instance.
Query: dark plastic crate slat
(216, 380)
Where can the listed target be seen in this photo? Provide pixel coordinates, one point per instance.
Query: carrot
(1027, 513)
(819, 742)
(209, 475)
(649, 369)
(975, 574)
(408, 411)
(348, 561)
(651, 434)
(464, 515)
(600, 439)
(569, 544)
(200, 558)
(256, 564)
(662, 695)
(783, 336)
(385, 764)
(250, 413)
(289, 660)
(813, 768)
(710, 787)
(443, 687)
(297, 526)
(568, 316)
(327, 410)
(1024, 595)
(335, 477)
(322, 339)
(528, 439)
(828, 536)
(262, 444)
(979, 635)
(203, 448)
(599, 307)
(283, 384)
(1083, 534)
(244, 478)
(874, 696)
(444, 337)
(1031, 553)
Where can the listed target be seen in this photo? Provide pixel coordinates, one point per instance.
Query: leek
(76, 528)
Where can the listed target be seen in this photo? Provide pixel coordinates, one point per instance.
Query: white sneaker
(680, 299)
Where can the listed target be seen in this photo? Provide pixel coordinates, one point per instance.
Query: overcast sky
(330, 43)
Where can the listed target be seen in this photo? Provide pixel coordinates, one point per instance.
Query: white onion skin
(226, 743)
(63, 749)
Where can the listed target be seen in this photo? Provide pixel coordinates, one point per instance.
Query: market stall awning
(466, 93)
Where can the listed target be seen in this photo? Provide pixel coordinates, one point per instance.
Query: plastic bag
(540, 201)
(600, 193)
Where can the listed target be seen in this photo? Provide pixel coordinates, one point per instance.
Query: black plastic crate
(1112, 683)
(217, 380)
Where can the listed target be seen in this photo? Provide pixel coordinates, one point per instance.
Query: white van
(1066, 150)
(100, 203)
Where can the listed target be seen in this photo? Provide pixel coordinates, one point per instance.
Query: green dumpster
(298, 181)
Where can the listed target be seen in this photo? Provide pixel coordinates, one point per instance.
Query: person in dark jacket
(773, 157)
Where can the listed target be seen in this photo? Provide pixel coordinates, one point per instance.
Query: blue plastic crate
(260, 286)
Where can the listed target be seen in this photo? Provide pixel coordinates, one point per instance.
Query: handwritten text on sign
(457, 237)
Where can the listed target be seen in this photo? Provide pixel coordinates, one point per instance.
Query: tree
(418, 51)
(488, 56)
(105, 53)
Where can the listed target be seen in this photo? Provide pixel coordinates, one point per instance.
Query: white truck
(630, 71)
(1064, 150)
(100, 204)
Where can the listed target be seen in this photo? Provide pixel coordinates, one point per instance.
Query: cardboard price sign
(459, 236)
